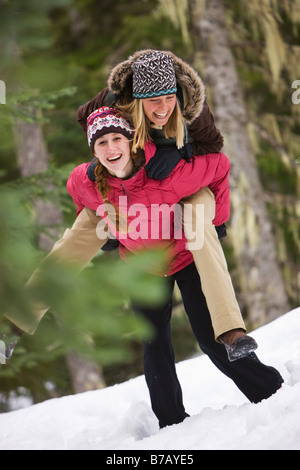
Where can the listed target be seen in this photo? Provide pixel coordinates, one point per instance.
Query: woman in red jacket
(122, 184)
(164, 97)
(138, 198)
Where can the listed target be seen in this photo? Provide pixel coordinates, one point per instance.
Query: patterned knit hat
(106, 120)
(153, 75)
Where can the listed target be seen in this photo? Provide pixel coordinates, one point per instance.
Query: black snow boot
(238, 344)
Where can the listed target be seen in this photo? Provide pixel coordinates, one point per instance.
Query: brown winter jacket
(191, 93)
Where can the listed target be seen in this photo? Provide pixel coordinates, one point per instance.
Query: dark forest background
(54, 56)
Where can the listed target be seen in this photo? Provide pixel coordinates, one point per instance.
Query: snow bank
(120, 417)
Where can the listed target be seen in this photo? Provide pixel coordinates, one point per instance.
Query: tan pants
(210, 262)
(80, 244)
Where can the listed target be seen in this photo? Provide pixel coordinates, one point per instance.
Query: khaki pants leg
(211, 263)
(78, 245)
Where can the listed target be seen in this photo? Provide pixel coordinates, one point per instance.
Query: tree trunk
(263, 292)
(85, 374)
(31, 151)
(33, 159)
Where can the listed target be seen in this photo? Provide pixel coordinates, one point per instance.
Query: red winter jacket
(141, 196)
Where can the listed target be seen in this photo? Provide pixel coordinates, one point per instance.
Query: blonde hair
(135, 112)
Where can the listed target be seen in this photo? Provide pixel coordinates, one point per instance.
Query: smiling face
(159, 109)
(113, 151)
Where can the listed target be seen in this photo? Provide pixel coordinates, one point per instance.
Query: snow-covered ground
(120, 417)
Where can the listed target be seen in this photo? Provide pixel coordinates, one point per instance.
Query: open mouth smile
(160, 116)
(114, 159)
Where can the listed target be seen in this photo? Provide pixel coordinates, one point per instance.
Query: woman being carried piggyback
(165, 99)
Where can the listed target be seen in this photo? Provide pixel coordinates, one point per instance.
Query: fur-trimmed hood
(191, 85)
(190, 91)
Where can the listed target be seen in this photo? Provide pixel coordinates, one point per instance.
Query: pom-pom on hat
(153, 75)
(106, 120)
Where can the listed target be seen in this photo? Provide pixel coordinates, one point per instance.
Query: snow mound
(120, 417)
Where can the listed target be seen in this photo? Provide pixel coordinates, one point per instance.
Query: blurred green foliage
(87, 309)
(55, 55)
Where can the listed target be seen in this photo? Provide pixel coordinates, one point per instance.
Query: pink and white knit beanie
(107, 120)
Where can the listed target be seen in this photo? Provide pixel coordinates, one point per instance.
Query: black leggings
(256, 380)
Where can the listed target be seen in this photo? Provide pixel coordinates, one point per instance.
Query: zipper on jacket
(124, 192)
